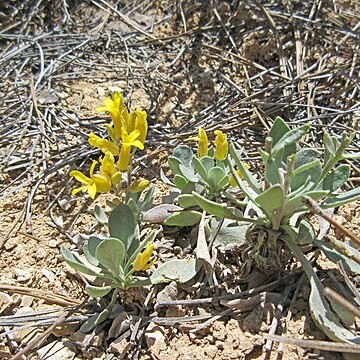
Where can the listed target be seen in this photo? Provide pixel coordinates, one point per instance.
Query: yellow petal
(221, 145)
(124, 157)
(203, 143)
(92, 168)
(77, 190)
(107, 167)
(138, 185)
(79, 176)
(102, 183)
(141, 124)
(141, 262)
(138, 144)
(92, 190)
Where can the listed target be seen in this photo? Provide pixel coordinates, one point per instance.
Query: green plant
(291, 173)
(113, 262)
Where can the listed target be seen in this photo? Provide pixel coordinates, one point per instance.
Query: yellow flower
(103, 144)
(128, 140)
(143, 260)
(94, 184)
(232, 180)
(203, 143)
(138, 185)
(221, 145)
(107, 167)
(141, 124)
(118, 112)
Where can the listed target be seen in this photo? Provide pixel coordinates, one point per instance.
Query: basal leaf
(97, 291)
(342, 198)
(176, 270)
(199, 167)
(158, 214)
(213, 208)
(271, 199)
(100, 215)
(183, 218)
(290, 138)
(188, 173)
(335, 256)
(73, 261)
(184, 154)
(110, 253)
(296, 204)
(335, 179)
(306, 164)
(180, 182)
(186, 200)
(89, 249)
(122, 224)
(94, 321)
(319, 307)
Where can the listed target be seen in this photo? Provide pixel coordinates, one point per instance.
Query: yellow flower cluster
(220, 143)
(128, 132)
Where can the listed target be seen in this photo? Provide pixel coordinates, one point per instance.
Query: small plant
(113, 262)
(206, 174)
(275, 209)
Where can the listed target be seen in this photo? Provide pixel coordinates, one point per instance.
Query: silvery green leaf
(174, 163)
(231, 233)
(164, 178)
(271, 198)
(306, 164)
(180, 182)
(122, 224)
(213, 208)
(147, 204)
(186, 200)
(335, 256)
(342, 199)
(296, 204)
(183, 218)
(158, 214)
(188, 173)
(215, 174)
(110, 253)
(207, 162)
(290, 138)
(337, 178)
(328, 146)
(272, 173)
(199, 167)
(100, 215)
(248, 177)
(97, 291)
(89, 249)
(184, 154)
(319, 307)
(73, 261)
(306, 234)
(176, 270)
(278, 130)
(94, 321)
(223, 182)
